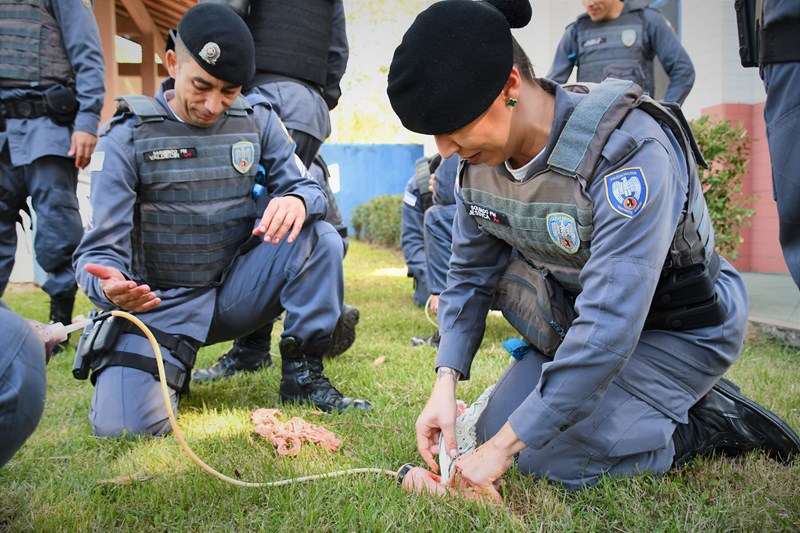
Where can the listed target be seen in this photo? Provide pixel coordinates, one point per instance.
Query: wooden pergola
(146, 22)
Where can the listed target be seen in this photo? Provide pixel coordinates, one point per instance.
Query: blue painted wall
(370, 170)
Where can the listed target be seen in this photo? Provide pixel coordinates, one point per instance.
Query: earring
(511, 102)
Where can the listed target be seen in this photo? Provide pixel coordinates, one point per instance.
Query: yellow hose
(179, 435)
(427, 313)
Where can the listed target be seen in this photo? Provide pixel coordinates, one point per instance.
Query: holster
(746, 25)
(687, 299)
(11, 206)
(97, 351)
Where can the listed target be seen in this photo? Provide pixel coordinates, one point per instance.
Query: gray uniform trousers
(22, 382)
(629, 432)
(438, 244)
(304, 278)
(51, 182)
(782, 116)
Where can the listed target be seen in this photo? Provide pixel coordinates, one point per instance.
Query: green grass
(55, 483)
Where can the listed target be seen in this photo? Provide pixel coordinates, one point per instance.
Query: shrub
(378, 221)
(726, 148)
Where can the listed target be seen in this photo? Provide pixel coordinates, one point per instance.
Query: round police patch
(243, 155)
(626, 191)
(564, 232)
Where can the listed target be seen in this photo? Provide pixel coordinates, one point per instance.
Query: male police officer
(439, 227)
(301, 56)
(171, 236)
(438, 236)
(22, 382)
(51, 94)
(773, 48)
(616, 39)
(417, 199)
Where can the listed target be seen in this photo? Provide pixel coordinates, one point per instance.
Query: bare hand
(283, 215)
(435, 304)
(122, 292)
(439, 418)
(480, 470)
(82, 147)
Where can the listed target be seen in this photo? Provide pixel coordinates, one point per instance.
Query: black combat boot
(240, 358)
(433, 340)
(61, 306)
(345, 333)
(724, 421)
(302, 381)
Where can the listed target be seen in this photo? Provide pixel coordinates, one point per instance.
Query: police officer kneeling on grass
(599, 197)
(22, 382)
(173, 238)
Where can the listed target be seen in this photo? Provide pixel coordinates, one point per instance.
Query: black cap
(219, 41)
(453, 62)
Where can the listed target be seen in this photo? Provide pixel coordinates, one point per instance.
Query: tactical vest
(194, 207)
(32, 52)
(292, 38)
(615, 49)
(531, 215)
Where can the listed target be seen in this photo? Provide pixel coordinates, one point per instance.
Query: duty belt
(260, 78)
(31, 107)
(21, 108)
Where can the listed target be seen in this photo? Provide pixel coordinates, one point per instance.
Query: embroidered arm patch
(626, 190)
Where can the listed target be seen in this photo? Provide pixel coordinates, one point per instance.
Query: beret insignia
(210, 53)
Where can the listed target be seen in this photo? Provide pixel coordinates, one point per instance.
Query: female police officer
(598, 195)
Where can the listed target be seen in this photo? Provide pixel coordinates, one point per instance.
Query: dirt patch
(27, 286)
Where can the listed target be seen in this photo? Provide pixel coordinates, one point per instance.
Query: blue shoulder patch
(626, 190)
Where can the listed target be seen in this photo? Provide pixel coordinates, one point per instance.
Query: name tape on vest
(487, 213)
(167, 154)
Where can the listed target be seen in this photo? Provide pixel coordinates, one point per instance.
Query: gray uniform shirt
(30, 139)
(658, 40)
(114, 187)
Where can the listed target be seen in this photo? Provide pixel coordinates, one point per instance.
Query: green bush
(378, 221)
(726, 148)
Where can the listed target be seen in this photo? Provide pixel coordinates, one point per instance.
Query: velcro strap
(177, 378)
(181, 348)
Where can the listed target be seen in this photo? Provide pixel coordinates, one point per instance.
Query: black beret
(220, 41)
(453, 62)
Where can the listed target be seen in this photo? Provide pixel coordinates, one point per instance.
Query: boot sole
(345, 333)
(790, 440)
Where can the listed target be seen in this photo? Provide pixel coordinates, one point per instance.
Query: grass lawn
(65, 479)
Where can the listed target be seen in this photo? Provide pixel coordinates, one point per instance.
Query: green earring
(511, 102)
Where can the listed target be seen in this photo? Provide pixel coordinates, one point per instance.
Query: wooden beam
(134, 70)
(151, 40)
(126, 26)
(104, 12)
